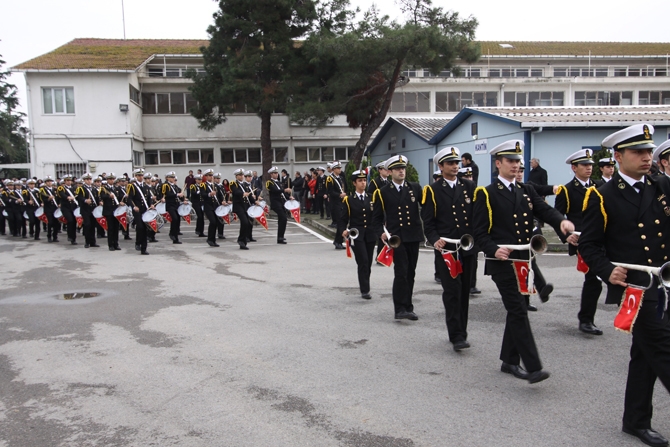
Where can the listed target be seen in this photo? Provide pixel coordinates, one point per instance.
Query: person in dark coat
(467, 162)
(537, 174)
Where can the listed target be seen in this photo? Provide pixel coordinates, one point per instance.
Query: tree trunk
(266, 144)
(369, 128)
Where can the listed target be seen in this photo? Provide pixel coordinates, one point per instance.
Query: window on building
(280, 155)
(561, 72)
(455, 101)
(240, 155)
(138, 159)
(191, 103)
(163, 102)
(167, 103)
(654, 98)
(521, 72)
(75, 169)
(177, 104)
(603, 98)
(149, 103)
(179, 157)
(58, 100)
(134, 95)
(533, 99)
(342, 153)
(411, 102)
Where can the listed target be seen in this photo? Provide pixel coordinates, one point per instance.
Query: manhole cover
(77, 295)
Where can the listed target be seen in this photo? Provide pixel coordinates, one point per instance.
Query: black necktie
(399, 188)
(511, 187)
(639, 185)
(361, 197)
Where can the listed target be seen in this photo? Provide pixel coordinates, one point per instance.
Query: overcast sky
(29, 28)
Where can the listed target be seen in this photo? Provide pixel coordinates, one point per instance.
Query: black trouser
(590, 293)
(2, 221)
(71, 223)
(219, 226)
(327, 204)
(337, 213)
(455, 296)
(176, 222)
(88, 228)
(113, 229)
(34, 221)
(211, 228)
(200, 222)
(649, 359)
(99, 229)
(539, 280)
(140, 231)
(245, 223)
(317, 204)
(11, 221)
(363, 253)
(282, 220)
(53, 225)
(405, 258)
(518, 342)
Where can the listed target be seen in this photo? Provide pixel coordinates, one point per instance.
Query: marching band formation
(616, 227)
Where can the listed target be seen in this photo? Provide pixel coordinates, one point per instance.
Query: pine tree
(13, 142)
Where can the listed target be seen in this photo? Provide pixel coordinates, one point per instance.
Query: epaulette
(378, 193)
(488, 204)
(164, 189)
(432, 195)
(602, 203)
(267, 184)
(328, 178)
(127, 188)
(567, 197)
(346, 200)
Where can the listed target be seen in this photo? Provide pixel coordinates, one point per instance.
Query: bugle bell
(353, 233)
(466, 242)
(537, 245)
(392, 241)
(662, 272)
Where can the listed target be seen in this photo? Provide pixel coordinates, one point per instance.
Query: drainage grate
(77, 295)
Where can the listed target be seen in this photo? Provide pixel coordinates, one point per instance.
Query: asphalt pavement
(202, 346)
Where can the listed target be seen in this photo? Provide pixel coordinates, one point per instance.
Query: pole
(123, 15)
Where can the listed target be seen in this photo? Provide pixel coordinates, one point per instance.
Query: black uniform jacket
(274, 187)
(64, 192)
(399, 211)
(207, 200)
(569, 201)
(335, 187)
(375, 184)
(505, 217)
(169, 193)
(633, 228)
(447, 211)
(84, 192)
(358, 215)
(135, 193)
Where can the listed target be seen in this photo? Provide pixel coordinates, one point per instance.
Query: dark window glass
(165, 157)
(194, 156)
(163, 102)
(341, 153)
(190, 102)
(207, 156)
(300, 154)
(178, 157)
(227, 156)
(148, 103)
(254, 155)
(177, 103)
(281, 155)
(441, 101)
(151, 157)
(240, 155)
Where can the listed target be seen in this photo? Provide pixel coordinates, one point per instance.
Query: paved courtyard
(200, 346)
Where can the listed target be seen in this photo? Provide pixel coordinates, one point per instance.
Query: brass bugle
(662, 272)
(466, 242)
(392, 241)
(353, 233)
(537, 245)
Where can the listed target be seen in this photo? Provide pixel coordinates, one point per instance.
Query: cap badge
(588, 153)
(517, 148)
(453, 151)
(645, 129)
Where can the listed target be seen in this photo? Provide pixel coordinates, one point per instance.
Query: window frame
(53, 101)
(246, 150)
(150, 154)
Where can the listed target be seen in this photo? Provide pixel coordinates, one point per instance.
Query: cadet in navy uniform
(208, 196)
(251, 200)
(357, 214)
(627, 220)
(151, 184)
(220, 198)
(335, 184)
(87, 204)
(172, 196)
(503, 215)
(373, 186)
(195, 198)
(606, 166)
(240, 207)
(277, 200)
(320, 192)
(48, 198)
(31, 199)
(446, 210)
(569, 201)
(139, 200)
(110, 202)
(68, 203)
(396, 207)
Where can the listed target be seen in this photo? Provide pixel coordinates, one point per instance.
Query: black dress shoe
(212, 244)
(460, 345)
(144, 252)
(646, 435)
(339, 247)
(333, 225)
(127, 238)
(153, 240)
(117, 248)
(366, 296)
(251, 240)
(590, 328)
(86, 246)
(475, 291)
(137, 247)
(181, 234)
(531, 308)
(404, 315)
(537, 376)
(173, 238)
(112, 248)
(546, 291)
(223, 237)
(73, 242)
(281, 241)
(38, 239)
(55, 239)
(49, 239)
(94, 245)
(176, 241)
(201, 234)
(437, 279)
(514, 370)
(243, 246)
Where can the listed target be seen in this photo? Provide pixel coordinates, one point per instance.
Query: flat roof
(120, 54)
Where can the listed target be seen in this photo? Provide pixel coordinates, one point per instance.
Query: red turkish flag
(187, 218)
(348, 244)
(103, 222)
(234, 217)
(167, 217)
(123, 220)
(455, 266)
(62, 219)
(522, 271)
(581, 265)
(226, 219)
(296, 214)
(266, 210)
(630, 307)
(386, 256)
(153, 224)
(80, 221)
(43, 218)
(263, 221)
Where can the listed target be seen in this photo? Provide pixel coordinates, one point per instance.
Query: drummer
(123, 200)
(220, 198)
(240, 197)
(110, 202)
(172, 197)
(248, 175)
(277, 200)
(139, 199)
(31, 199)
(87, 204)
(151, 183)
(68, 203)
(97, 184)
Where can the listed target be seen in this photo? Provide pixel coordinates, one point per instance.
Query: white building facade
(113, 105)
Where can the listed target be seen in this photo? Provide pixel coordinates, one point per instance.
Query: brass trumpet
(662, 272)
(392, 241)
(537, 246)
(353, 233)
(466, 242)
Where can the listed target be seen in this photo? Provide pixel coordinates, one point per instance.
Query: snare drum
(184, 209)
(223, 210)
(255, 211)
(149, 218)
(291, 205)
(97, 213)
(78, 217)
(25, 215)
(58, 214)
(161, 208)
(121, 214)
(39, 213)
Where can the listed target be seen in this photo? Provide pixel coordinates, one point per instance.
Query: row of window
(240, 155)
(538, 72)
(171, 72)
(455, 101)
(167, 103)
